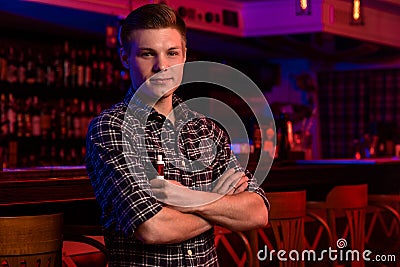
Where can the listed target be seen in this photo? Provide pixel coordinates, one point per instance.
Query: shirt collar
(143, 111)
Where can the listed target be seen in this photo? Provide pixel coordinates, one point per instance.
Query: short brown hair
(150, 16)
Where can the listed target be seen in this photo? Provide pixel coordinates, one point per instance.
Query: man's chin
(156, 95)
(163, 91)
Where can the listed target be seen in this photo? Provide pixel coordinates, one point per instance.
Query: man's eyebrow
(152, 50)
(146, 48)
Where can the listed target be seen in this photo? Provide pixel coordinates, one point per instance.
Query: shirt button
(159, 117)
(190, 252)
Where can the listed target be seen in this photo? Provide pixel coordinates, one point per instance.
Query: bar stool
(241, 255)
(84, 246)
(286, 218)
(352, 201)
(391, 200)
(383, 223)
(31, 240)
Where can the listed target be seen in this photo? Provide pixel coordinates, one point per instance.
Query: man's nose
(161, 64)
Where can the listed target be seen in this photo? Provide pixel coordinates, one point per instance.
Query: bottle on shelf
(12, 66)
(28, 151)
(95, 67)
(80, 67)
(87, 69)
(285, 137)
(66, 63)
(54, 145)
(11, 114)
(101, 78)
(73, 77)
(3, 65)
(76, 118)
(68, 141)
(35, 111)
(69, 121)
(27, 117)
(109, 69)
(31, 72)
(58, 67)
(117, 74)
(50, 76)
(21, 68)
(61, 123)
(12, 147)
(3, 115)
(91, 114)
(3, 131)
(85, 117)
(40, 70)
(44, 126)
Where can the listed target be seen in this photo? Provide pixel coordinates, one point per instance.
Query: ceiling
(324, 47)
(329, 47)
(317, 45)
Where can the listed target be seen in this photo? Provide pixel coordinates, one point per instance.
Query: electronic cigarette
(160, 167)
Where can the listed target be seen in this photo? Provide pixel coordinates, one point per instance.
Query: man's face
(154, 51)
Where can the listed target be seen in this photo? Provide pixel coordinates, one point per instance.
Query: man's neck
(164, 107)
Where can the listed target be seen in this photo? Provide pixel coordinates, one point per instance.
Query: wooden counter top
(42, 172)
(68, 189)
(44, 184)
(63, 184)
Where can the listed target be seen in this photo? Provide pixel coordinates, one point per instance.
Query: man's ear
(185, 50)
(124, 58)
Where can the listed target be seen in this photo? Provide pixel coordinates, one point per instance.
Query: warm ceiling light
(303, 4)
(356, 9)
(303, 7)
(356, 12)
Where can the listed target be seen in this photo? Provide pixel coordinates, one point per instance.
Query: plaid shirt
(122, 147)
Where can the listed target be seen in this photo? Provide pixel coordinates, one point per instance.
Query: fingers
(222, 179)
(229, 183)
(242, 185)
(233, 180)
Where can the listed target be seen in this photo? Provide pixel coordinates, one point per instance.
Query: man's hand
(184, 199)
(238, 211)
(175, 194)
(231, 182)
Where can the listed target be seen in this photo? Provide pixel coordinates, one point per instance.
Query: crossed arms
(190, 213)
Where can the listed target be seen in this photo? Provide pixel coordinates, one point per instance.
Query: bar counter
(44, 185)
(68, 189)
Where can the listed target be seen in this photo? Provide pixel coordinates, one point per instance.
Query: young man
(159, 222)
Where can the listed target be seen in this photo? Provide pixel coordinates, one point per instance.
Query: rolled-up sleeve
(118, 176)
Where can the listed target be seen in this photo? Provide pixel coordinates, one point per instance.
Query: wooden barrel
(31, 240)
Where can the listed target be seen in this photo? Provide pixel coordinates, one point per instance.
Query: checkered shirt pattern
(122, 147)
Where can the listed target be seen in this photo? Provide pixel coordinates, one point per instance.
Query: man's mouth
(159, 80)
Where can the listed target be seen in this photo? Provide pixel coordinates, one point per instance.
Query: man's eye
(146, 54)
(173, 53)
